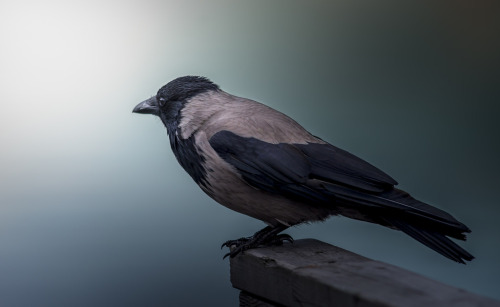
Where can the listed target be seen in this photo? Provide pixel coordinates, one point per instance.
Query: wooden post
(314, 273)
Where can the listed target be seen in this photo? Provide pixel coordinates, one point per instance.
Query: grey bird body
(209, 113)
(259, 162)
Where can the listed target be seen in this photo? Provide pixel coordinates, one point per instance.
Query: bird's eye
(162, 102)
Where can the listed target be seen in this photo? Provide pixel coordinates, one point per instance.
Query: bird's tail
(428, 225)
(432, 239)
(397, 209)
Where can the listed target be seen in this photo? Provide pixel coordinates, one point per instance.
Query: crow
(260, 162)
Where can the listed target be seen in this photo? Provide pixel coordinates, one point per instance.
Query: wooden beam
(314, 273)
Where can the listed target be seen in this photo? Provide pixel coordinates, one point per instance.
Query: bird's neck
(198, 110)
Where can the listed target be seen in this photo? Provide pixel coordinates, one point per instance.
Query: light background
(94, 209)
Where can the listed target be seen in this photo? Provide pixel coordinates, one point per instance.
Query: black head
(184, 88)
(172, 96)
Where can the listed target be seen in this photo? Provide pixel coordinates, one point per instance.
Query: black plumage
(259, 162)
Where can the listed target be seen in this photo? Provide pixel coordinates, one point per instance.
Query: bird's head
(171, 98)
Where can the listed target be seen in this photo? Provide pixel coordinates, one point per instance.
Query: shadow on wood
(314, 273)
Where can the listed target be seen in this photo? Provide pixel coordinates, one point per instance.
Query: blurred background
(95, 210)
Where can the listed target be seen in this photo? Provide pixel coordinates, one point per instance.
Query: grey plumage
(259, 162)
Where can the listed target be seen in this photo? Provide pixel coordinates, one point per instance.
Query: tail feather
(433, 240)
(396, 200)
(397, 209)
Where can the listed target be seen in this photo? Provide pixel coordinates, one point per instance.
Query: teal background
(94, 209)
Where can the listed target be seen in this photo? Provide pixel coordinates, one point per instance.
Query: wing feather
(296, 163)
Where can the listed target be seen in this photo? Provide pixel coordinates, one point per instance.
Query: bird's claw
(238, 248)
(236, 242)
(267, 236)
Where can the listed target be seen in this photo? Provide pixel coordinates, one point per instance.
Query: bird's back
(213, 112)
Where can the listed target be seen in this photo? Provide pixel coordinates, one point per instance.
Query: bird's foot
(267, 236)
(236, 242)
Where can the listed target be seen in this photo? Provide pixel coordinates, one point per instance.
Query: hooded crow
(260, 162)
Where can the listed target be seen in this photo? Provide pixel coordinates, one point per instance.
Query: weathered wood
(249, 300)
(314, 273)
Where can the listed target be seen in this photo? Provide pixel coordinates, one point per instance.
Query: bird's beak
(147, 107)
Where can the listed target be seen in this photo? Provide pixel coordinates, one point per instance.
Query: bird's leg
(266, 236)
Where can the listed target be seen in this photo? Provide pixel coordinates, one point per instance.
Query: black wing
(323, 174)
(296, 162)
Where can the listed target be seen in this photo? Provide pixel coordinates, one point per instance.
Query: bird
(259, 162)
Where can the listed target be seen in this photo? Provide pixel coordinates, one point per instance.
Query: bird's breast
(189, 156)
